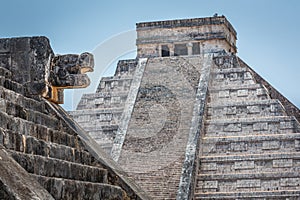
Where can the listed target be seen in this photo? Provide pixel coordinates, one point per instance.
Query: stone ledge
(253, 138)
(238, 176)
(244, 103)
(52, 167)
(71, 189)
(235, 87)
(254, 157)
(248, 195)
(251, 120)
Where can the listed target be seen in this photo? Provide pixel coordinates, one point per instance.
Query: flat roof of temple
(187, 23)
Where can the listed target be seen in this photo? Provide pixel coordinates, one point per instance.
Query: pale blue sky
(268, 30)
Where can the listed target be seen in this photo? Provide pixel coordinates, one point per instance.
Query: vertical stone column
(189, 48)
(172, 48)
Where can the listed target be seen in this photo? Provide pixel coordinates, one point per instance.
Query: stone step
(79, 190)
(258, 195)
(31, 145)
(51, 167)
(231, 76)
(248, 182)
(16, 127)
(11, 85)
(26, 114)
(245, 126)
(250, 163)
(252, 176)
(238, 93)
(16, 98)
(242, 109)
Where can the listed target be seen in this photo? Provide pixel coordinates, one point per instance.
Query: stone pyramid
(188, 119)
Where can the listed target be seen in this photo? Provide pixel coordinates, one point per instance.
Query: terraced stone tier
(250, 163)
(244, 92)
(251, 144)
(70, 189)
(243, 109)
(246, 126)
(51, 167)
(232, 76)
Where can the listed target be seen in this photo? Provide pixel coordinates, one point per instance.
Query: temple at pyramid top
(185, 37)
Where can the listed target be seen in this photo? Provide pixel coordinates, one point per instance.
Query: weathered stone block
(242, 93)
(244, 165)
(283, 163)
(224, 93)
(271, 145)
(248, 183)
(239, 146)
(287, 125)
(260, 126)
(288, 182)
(233, 127)
(209, 184)
(253, 109)
(209, 166)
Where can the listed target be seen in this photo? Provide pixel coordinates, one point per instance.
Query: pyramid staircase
(52, 152)
(250, 148)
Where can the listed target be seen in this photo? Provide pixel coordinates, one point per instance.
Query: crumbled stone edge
(189, 169)
(123, 180)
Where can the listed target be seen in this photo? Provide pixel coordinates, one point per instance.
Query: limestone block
(231, 110)
(248, 183)
(220, 77)
(283, 163)
(286, 182)
(233, 127)
(99, 100)
(224, 93)
(271, 145)
(233, 76)
(244, 165)
(260, 91)
(253, 109)
(239, 146)
(287, 125)
(268, 185)
(247, 76)
(260, 126)
(209, 184)
(209, 166)
(242, 93)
